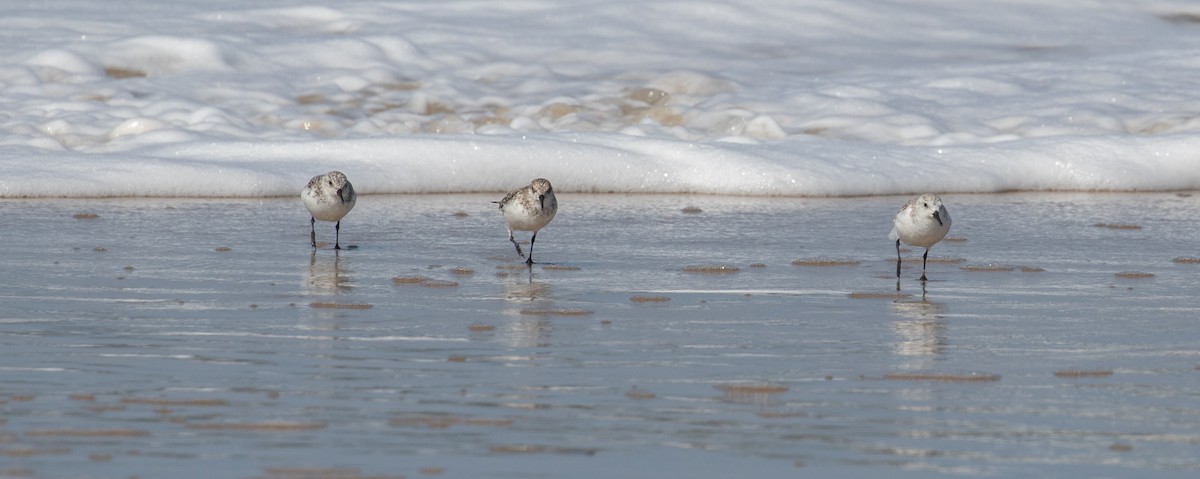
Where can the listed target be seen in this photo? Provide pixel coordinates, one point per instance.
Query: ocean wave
(608, 163)
(211, 99)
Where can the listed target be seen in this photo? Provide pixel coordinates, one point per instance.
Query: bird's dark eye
(926, 205)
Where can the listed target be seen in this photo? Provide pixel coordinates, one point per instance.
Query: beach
(659, 335)
(717, 296)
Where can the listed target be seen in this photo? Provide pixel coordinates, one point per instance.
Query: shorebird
(529, 208)
(328, 198)
(922, 221)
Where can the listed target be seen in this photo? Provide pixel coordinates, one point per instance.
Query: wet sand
(665, 336)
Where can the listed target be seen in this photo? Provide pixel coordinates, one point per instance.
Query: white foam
(813, 98)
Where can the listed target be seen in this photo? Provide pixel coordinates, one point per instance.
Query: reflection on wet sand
(326, 275)
(524, 330)
(920, 329)
(920, 342)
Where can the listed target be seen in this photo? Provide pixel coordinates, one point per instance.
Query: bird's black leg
(515, 244)
(924, 259)
(529, 261)
(312, 235)
(337, 235)
(898, 260)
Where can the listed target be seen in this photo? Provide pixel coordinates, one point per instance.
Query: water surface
(202, 338)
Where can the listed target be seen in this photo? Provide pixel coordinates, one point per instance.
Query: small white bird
(529, 208)
(328, 198)
(922, 221)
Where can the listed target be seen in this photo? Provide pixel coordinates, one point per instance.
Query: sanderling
(328, 198)
(529, 208)
(922, 221)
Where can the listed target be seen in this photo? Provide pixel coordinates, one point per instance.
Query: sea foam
(213, 99)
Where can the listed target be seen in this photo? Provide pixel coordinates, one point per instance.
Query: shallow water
(204, 338)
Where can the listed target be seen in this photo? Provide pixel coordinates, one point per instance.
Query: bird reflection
(920, 329)
(527, 330)
(327, 275)
(521, 291)
(920, 342)
(924, 292)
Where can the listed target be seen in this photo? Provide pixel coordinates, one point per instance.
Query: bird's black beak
(343, 198)
(937, 217)
(542, 201)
